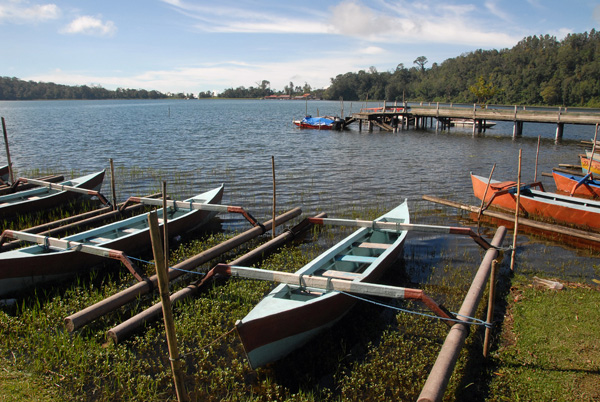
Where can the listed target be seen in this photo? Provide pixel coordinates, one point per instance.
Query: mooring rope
(473, 320)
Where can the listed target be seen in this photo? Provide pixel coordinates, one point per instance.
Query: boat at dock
(469, 123)
(560, 208)
(291, 315)
(42, 263)
(320, 123)
(42, 198)
(579, 185)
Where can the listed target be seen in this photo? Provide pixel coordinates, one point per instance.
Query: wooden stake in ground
(163, 285)
(490, 312)
(274, 194)
(516, 229)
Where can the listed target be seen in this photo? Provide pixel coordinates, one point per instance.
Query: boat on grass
(320, 123)
(291, 315)
(29, 266)
(49, 196)
(559, 208)
(578, 185)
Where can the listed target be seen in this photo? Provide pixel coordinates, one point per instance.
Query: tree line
(12, 88)
(539, 70)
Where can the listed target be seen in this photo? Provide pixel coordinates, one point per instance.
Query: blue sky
(194, 45)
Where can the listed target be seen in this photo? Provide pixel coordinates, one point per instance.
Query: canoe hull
(565, 183)
(289, 317)
(40, 199)
(585, 165)
(557, 207)
(24, 268)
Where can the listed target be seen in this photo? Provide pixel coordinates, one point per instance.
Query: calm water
(231, 142)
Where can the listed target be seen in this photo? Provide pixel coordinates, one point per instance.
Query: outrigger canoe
(577, 185)
(30, 266)
(585, 165)
(560, 208)
(41, 198)
(291, 315)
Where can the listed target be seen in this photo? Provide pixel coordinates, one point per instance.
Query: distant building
(289, 97)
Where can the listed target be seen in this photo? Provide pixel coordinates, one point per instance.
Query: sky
(194, 45)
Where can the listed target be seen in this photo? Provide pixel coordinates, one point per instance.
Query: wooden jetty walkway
(392, 118)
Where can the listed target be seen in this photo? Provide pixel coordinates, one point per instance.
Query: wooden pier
(393, 118)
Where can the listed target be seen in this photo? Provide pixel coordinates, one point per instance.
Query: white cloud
(355, 19)
(493, 8)
(88, 25)
(20, 12)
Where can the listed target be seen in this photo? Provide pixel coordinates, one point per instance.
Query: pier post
(518, 128)
(559, 130)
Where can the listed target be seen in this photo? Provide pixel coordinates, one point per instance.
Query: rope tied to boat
(471, 320)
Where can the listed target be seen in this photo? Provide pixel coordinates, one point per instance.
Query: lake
(232, 142)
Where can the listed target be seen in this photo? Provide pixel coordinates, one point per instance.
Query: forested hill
(539, 70)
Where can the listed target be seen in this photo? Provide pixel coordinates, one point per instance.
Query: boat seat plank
(98, 239)
(331, 273)
(362, 259)
(129, 230)
(382, 246)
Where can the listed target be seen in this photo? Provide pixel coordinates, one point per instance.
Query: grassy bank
(549, 349)
(373, 354)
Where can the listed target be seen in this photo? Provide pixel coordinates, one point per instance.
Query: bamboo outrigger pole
(62, 187)
(194, 205)
(64, 245)
(89, 314)
(397, 226)
(124, 329)
(10, 170)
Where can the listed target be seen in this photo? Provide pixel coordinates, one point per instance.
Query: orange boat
(576, 185)
(560, 208)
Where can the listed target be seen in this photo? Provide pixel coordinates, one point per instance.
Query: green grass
(372, 354)
(549, 348)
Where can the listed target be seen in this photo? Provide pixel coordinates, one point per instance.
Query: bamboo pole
(165, 223)
(124, 329)
(112, 183)
(10, 169)
(274, 194)
(117, 300)
(438, 378)
(490, 312)
(537, 154)
(517, 207)
(163, 285)
(484, 195)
